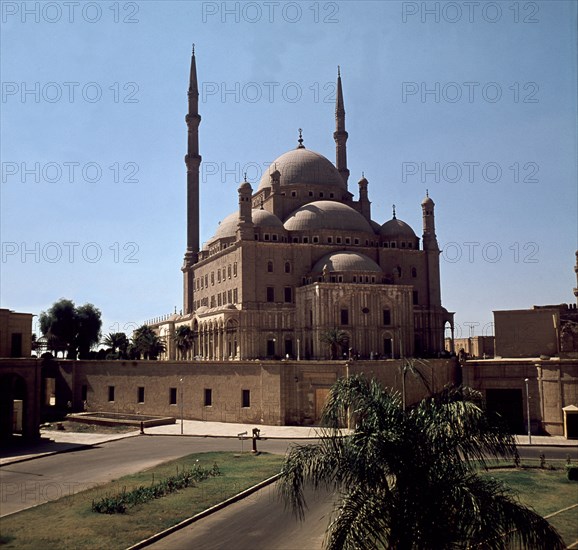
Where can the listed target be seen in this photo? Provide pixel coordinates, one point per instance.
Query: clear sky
(475, 101)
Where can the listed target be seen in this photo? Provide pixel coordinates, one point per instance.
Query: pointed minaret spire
(394, 212)
(340, 135)
(193, 162)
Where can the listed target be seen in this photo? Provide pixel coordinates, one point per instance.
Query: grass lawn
(70, 523)
(545, 491)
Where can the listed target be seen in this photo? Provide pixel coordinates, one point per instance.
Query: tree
(89, 323)
(116, 341)
(147, 343)
(407, 478)
(70, 328)
(336, 339)
(184, 340)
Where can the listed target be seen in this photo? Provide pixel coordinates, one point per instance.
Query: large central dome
(302, 166)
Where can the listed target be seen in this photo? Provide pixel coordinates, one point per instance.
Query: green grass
(70, 523)
(546, 492)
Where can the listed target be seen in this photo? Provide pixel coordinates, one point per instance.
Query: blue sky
(476, 102)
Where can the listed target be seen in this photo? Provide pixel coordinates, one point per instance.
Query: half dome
(395, 228)
(346, 261)
(302, 166)
(327, 215)
(261, 218)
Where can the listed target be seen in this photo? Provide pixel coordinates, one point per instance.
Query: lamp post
(298, 349)
(528, 411)
(181, 400)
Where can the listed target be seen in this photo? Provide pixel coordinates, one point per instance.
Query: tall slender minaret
(192, 161)
(340, 135)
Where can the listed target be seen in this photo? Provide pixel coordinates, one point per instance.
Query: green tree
(70, 328)
(408, 478)
(335, 339)
(146, 343)
(116, 341)
(183, 340)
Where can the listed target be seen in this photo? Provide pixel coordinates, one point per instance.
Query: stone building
(300, 257)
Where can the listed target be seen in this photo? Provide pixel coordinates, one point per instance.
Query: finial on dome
(427, 192)
(300, 140)
(261, 202)
(338, 71)
(394, 212)
(362, 174)
(245, 176)
(193, 48)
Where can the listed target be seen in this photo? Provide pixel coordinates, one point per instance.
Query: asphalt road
(258, 522)
(34, 482)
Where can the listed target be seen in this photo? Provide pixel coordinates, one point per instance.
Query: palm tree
(336, 339)
(407, 479)
(184, 340)
(146, 343)
(116, 340)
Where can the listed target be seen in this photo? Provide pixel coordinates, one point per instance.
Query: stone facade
(15, 333)
(259, 392)
(552, 386)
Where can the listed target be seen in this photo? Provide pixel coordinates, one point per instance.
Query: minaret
(576, 271)
(340, 135)
(245, 223)
(429, 227)
(192, 161)
(364, 203)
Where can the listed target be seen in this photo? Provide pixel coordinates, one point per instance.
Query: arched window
(414, 272)
(287, 267)
(269, 266)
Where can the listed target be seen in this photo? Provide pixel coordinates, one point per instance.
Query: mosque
(302, 257)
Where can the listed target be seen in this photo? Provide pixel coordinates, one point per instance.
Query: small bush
(118, 504)
(572, 473)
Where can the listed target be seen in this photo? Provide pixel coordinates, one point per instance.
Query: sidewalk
(53, 442)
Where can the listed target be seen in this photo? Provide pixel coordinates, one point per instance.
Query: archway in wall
(449, 337)
(13, 405)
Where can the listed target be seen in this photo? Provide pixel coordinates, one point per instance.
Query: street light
(181, 381)
(528, 411)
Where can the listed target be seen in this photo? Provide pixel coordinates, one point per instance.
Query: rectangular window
(338, 240)
(246, 398)
(344, 316)
(270, 294)
(235, 296)
(16, 345)
(387, 347)
(140, 396)
(84, 392)
(347, 240)
(173, 396)
(111, 393)
(208, 397)
(386, 317)
(288, 295)
(415, 298)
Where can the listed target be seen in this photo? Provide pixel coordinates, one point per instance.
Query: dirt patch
(78, 427)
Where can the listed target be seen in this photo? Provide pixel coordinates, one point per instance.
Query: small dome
(261, 218)
(346, 261)
(327, 215)
(302, 166)
(395, 228)
(228, 227)
(245, 187)
(264, 218)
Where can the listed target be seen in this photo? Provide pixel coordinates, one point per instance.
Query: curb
(204, 513)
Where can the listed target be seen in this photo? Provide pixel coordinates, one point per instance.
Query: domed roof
(397, 228)
(303, 166)
(261, 218)
(427, 201)
(346, 260)
(326, 215)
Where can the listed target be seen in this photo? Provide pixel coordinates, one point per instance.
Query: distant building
(480, 347)
(20, 377)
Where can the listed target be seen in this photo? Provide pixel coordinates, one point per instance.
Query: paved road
(259, 521)
(34, 482)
